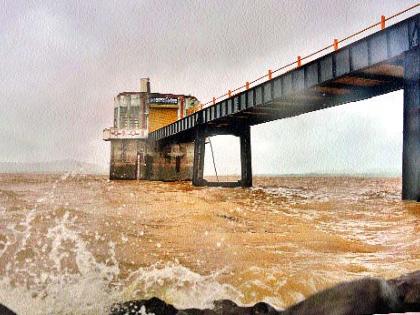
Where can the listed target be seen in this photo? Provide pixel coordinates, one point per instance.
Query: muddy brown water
(74, 244)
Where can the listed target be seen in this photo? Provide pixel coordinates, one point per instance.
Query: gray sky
(61, 63)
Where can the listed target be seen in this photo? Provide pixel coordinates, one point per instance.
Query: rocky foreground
(364, 296)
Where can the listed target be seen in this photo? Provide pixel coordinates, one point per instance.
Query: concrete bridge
(385, 61)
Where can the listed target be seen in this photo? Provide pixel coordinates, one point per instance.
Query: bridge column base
(411, 129)
(246, 166)
(199, 152)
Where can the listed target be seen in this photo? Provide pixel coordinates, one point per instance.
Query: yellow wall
(161, 116)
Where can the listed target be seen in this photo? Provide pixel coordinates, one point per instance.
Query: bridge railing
(298, 61)
(235, 96)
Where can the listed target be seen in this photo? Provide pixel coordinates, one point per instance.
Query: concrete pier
(127, 157)
(170, 162)
(199, 152)
(246, 165)
(411, 131)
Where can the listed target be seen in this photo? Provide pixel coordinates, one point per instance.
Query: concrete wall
(137, 159)
(170, 163)
(125, 157)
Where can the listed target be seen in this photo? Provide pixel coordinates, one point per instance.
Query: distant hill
(61, 166)
(369, 173)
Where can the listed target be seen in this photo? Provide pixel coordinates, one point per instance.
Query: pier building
(136, 114)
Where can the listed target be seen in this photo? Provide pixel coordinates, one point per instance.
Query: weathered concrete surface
(123, 170)
(363, 296)
(126, 156)
(138, 159)
(171, 163)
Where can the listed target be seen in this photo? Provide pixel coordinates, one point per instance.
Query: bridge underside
(378, 64)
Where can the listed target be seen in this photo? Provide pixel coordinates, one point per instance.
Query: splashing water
(76, 244)
(180, 286)
(49, 269)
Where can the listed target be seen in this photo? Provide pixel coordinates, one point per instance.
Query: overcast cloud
(62, 62)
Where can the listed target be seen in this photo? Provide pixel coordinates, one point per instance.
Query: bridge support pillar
(199, 152)
(244, 134)
(411, 129)
(246, 165)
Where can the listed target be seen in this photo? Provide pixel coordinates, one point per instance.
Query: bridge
(382, 62)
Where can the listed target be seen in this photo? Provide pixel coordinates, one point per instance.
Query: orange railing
(298, 61)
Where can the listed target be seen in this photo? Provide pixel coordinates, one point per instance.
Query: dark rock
(221, 307)
(196, 311)
(364, 296)
(408, 291)
(264, 308)
(226, 307)
(6, 311)
(153, 305)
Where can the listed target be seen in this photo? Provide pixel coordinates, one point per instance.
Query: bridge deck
(371, 66)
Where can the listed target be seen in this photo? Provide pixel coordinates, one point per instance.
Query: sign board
(115, 133)
(163, 100)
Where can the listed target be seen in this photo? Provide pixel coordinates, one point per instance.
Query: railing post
(382, 22)
(335, 44)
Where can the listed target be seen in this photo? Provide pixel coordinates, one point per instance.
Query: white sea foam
(179, 285)
(92, 286)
